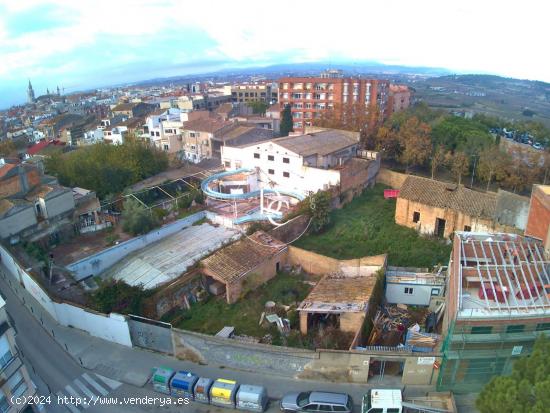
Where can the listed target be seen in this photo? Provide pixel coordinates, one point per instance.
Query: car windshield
(303, 399)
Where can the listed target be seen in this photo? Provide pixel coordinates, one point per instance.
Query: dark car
(316, 401)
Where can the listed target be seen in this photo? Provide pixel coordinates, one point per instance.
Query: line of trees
(107, 169)
(433, 140)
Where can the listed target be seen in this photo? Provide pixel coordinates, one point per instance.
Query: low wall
(291, 229)
(112, 327)
(391, 178)
(314, 263)
(97, 263)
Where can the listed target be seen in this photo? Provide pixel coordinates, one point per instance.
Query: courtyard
(366, 226)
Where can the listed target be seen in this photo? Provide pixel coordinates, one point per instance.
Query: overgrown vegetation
(366, 226)
(213, 314)
(526, 390)
(258, 107)
(136, 219)
(107, 169)
(119, 297)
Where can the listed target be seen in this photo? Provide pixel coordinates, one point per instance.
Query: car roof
(327, 397)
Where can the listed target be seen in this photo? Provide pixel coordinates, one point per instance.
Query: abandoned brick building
(440, 208)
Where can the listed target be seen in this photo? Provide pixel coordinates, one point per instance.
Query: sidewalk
(133, 366)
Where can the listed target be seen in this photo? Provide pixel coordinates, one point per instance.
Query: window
(166, 147)
(467, 228)
(286, 174)
(5, 352)
(286, 160)
(256, 156)
(227, 164)
(325, 408)
(408, 290)
(17, 384)
(376, 410)
(271, 171)
(435, 291)
(482, 330)
(416, 216)
(339, 408)
(311, 408)
(296, 96)
(542, 327)
(4, 405)
(270, 157)
(517, 328)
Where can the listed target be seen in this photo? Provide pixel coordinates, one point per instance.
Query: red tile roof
(33, 150)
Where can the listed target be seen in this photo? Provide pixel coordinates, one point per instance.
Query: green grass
(212, 315)
(366, 226)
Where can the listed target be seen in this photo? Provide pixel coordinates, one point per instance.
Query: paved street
(72, 363)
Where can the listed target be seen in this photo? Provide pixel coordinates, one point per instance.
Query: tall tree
(438, 158)
(386, 141)
(460, 165)
(492, 165)
(414, 137)
(526, 390)
(286, 121)
(136, 219)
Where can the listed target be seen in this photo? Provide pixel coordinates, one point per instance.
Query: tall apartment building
(15, 383)
(309, 97)
(249, 92)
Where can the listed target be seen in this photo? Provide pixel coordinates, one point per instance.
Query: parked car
(537, 145)
(316, 401)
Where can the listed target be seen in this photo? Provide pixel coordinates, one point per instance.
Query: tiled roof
(123, 107)
(205, 125)
(234, 261)
(320, 143)
(449, 196)
(5, 169)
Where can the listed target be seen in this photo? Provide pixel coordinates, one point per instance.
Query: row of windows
(317, 86)
(271, 157)
(272, 172)
(514, 328)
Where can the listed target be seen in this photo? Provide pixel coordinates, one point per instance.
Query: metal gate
(151, 334)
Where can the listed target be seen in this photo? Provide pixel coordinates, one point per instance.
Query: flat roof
(500, 275)
(339, 293)
(168, 258)
(320, 143)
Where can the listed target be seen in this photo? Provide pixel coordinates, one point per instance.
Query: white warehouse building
(304, 164)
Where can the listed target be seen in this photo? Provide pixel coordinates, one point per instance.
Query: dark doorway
(277, 267)
(440, 227)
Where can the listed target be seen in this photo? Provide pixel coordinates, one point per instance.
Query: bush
(199, 197)
(185, 202)
(136, 219)
(159, 214)
(119, 297)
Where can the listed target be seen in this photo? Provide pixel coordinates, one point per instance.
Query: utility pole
(473, 171)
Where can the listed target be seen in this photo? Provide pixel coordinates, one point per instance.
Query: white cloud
(469, 35)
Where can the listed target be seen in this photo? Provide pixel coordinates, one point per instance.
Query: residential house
(307, 163)
(254, 92)
(440, 208)
(197, 137)
(133, 109)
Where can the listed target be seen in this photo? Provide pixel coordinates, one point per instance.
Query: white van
(382, 401)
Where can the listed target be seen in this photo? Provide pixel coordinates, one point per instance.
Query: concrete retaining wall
(112, 327)
(391, 178)
(97, 263)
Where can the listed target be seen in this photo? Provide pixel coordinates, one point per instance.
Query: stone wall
(314, 263)
(291, 229)
(391, 178)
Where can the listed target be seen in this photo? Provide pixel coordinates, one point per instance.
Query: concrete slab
(167, 259)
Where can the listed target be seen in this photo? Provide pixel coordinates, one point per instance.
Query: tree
(438, 158)
(7, 148)
(258, 107)
(319, 210)
(414, 137)
(386, 141)
(136, 219)
(286, 121)
(119, 297)
(492, 165)
(460, 165)
(526, 390)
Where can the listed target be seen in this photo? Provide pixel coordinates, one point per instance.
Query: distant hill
(512, 99)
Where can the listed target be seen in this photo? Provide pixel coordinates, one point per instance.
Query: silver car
(316, 401)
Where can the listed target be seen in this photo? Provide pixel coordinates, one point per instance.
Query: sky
(81, 44)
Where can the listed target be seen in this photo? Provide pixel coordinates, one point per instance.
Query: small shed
(414, 286)
(253, 398)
